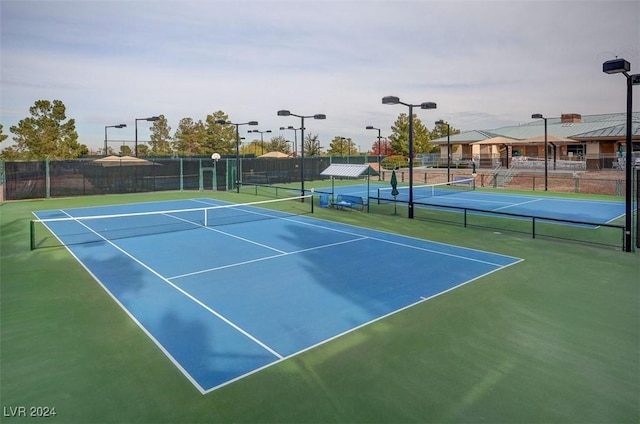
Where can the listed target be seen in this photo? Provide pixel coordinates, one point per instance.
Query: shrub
(394, 162)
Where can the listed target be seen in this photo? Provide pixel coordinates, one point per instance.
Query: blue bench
(349, 202)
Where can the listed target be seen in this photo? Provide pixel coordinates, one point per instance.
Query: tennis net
(428, 190)
(64, 231)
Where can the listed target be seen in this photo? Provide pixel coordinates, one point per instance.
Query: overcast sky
(485, 63)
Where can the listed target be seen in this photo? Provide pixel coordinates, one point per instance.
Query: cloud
(485, 63)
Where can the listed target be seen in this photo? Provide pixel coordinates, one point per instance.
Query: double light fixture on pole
(237, 125)
(342, 141)
(150, 119)
(295, 138)
(393, 100)
(261, 138)
(371, 127)
(440, 122)
(546, 152)
(316, 116)
(621, 66)
(105, 134)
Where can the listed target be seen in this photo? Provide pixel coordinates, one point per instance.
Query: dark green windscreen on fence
(41, 179)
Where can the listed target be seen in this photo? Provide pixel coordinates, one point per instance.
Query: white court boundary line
(280, 358)
(265, 258)
(179, 289)
(358, 237)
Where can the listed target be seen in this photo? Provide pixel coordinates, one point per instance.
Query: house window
(576, 150)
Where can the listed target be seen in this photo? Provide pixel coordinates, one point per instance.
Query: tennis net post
(431, 190)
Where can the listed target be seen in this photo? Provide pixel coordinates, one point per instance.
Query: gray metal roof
(616, 132)
(346, 170)
(590, 124)
(559, 129)
(465, 137)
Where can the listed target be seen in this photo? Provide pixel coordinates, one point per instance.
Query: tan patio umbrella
(123, 161)
(275, 154)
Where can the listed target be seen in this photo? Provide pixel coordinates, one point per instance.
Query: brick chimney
(567, 118)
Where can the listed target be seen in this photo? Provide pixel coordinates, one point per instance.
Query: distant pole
(316, 116)
(237, 125)
(617, 66)
(371, 127)
(546, 163)
(105, 135)
(393, 100)
(149, 119)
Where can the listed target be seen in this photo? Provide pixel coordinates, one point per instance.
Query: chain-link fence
(45, 178)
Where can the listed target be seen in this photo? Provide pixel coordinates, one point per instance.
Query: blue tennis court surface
(591, 211)
(223, 302)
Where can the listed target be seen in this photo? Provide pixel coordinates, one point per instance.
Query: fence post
(637, 212)
(2, 184)
(47, 179)
(533, 227)
(32, 234)
(181, 176)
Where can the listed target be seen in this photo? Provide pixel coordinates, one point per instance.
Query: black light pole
(342, 140)
(252, 123)
(546, 153)
(371, 127)
(441, 122)
(105, 134)
(295, 137)
(150, 119)
(261, 138)
(393, 100)
(621, 66)
(316, 116)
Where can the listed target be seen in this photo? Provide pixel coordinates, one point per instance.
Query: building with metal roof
(588, 136)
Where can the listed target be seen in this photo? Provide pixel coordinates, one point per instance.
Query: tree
(3, 137)
(341, 146)
(160, 140)
(125, 150)
(263, 146)
(384, 149)
(220, 138)
(47, 133)
(252, 148)
(189, 138)
(278, 144)
(311, 145)
(143, 150)
(400, 136)
(440, 131)
(10, 153)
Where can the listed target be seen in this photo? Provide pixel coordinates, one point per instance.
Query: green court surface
(552, 339)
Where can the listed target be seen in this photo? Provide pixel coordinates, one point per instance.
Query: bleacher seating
(345, 201)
